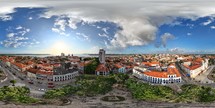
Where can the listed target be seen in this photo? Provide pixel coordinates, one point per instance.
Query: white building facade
(65, 77)
(146, 75)
(194, 71)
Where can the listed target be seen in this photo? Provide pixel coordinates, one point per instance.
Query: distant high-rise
(102, 56)
(62, 54)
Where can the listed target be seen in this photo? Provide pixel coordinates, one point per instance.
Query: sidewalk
(203, 78)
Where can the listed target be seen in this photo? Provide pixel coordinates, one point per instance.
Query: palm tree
(13, 82)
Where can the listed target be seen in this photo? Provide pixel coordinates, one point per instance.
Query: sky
(118, 26)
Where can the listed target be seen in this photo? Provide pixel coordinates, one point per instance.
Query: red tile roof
(82, 64)
(196, 63)
(31, 70)
(193, 67)
(11, 59)
(102, 68)
(198, 59)
(118, 66)
(85, 63)
(170, 71)
(56, 65)
(19, 65)
(156, 74)
(39, 71)
(44, 72)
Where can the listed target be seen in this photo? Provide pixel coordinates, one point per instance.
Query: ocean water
(47, 55)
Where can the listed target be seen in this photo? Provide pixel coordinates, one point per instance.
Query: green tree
(16, 94)
(120, 77)
(13, 82)
(91, 67)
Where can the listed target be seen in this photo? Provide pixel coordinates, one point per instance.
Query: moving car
(20, 78)
(41, 89)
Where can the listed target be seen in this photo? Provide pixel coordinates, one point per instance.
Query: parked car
(50, 86)
(30, 82)
(50, 83)
(41, 89)
(39, 82)
(20, 78)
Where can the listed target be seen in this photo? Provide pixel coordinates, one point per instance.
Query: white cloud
(5, 18)
(189, 34)
(98, 27)
(105, 30)
(72, 22)
(61, 23)
(30, 18)
(37, 42)
(19, 27)
(27, 30)
(14, 42)
(82, 36)
(56, 30)
(190, 25)
(16, 39)
(212, 27)
(23, 31)
(10, 35)
(207, 22)
(176, 51)
(175, 23)
(60, 32)
(138, 19)
(103, 35)
(165, 37)
(135, 32)
(140, 22)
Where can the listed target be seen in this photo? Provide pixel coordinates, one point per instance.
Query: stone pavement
(95, 102)
(203, 78)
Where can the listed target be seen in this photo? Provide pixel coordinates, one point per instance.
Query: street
(204, 81)
(13, 74)
(183, 75)
(203, 77)
(36, 86)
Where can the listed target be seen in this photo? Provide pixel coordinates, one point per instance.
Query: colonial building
(194, 67)
(41, 74)
(120, 69)
(102, 70)
(170, 76)
(151, 65)
(64, 72)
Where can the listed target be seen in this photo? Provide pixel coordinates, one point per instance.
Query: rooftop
(162, 74)
(102, 68)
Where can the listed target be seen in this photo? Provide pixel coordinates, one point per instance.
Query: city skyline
(77, 27)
